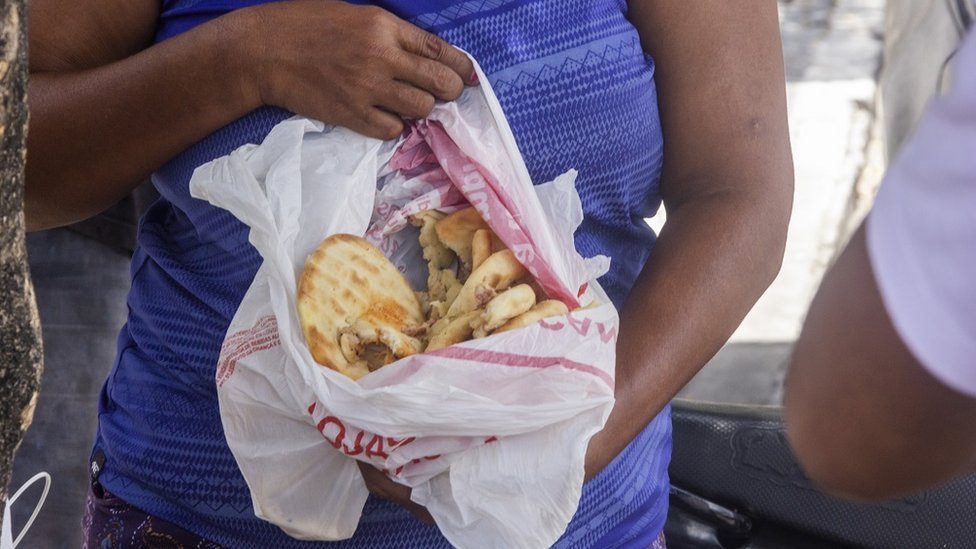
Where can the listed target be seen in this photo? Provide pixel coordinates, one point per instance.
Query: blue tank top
(578, 92)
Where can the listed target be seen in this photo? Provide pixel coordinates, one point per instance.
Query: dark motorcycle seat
(738, 456)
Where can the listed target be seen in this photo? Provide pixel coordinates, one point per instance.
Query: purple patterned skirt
(111, 523)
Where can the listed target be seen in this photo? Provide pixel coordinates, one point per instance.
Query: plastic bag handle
(37, 508)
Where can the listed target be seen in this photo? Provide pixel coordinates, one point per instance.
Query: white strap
(5, 535)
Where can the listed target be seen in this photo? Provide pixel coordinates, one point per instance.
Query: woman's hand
(108, 106)
(381, 486)
(355, 66)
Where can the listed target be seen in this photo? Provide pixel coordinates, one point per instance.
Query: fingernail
(474, 77)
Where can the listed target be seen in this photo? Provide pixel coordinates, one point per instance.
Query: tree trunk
(20, 335)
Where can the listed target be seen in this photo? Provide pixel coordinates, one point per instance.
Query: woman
(136, 87)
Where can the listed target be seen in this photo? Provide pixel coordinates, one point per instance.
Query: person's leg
(81, 287)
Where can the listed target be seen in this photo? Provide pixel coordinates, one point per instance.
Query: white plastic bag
(491, 433)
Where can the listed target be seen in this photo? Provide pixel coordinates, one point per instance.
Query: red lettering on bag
(491, 439)
(393, 443)
(337, 434)
(606, 335)
(386, 209)
(358, 448)
(582, 327)
(422, 202)
(524, 253)
(336, 439)
(471, 179)
(555, 326)
(375, 448)
(479, 200)
(260, 337)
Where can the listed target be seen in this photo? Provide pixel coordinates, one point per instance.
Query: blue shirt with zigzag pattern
(578, 92)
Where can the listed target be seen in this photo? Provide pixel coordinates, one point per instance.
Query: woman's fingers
(424, 44)
(381, 486)
(382, 120)
(431, 76)
(406, 100)
(370, 121)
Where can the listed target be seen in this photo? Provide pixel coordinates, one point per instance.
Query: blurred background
(834, 51)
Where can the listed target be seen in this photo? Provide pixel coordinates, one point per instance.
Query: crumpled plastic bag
(491, 433)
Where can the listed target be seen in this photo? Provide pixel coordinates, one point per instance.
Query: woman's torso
(578, 93)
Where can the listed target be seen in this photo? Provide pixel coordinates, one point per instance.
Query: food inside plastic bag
(359, 313)
(490, 433)
(355, 307)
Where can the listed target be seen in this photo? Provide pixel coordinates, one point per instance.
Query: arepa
(349, 287)
(541, 310)
(498, 272)
(456, 231)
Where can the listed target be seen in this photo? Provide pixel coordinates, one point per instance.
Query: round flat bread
(352, 300)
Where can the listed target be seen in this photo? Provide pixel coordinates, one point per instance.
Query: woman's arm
(107, 107)
(865, 418)
(727, 186)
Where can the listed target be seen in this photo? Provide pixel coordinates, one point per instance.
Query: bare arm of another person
(108, 107)
(881, 394)
(865, 418)
(727, 186)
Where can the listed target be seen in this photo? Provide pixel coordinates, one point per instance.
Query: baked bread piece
(448, 331)
(544, 309)
(502, 308)
(496, 273)
(354, 307)
(457, 230)
(481, 247)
